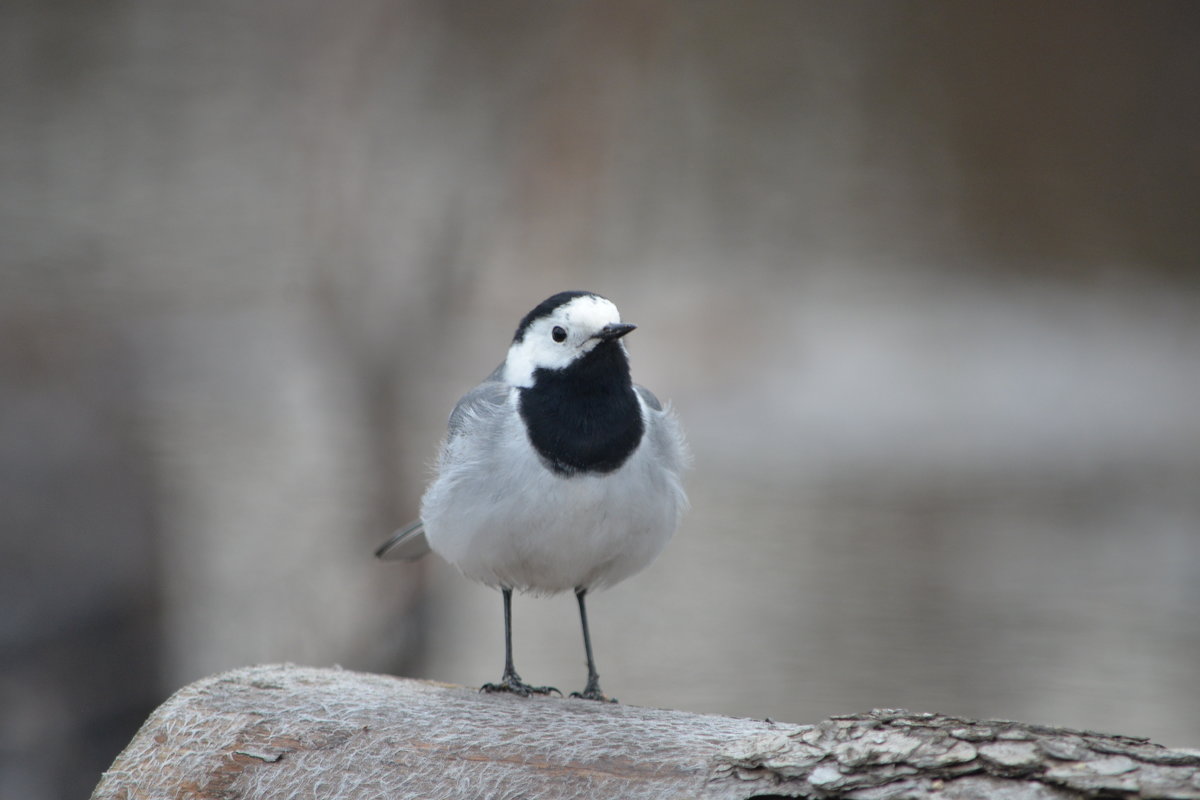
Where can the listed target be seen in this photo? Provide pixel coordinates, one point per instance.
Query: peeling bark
(298, 732)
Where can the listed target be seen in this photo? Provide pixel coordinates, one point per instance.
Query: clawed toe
(592, 692)
(511, 684)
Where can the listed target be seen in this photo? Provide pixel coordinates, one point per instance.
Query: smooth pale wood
(284, 731)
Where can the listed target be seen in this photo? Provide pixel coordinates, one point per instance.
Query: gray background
(921, 280)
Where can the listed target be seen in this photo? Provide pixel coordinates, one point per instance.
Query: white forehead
(580, 317)
(588, 312)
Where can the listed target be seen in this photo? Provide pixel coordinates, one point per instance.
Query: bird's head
(560, 331)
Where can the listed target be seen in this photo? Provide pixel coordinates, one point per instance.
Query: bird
(557, 472)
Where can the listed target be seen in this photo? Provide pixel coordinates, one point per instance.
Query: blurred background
(921, 280)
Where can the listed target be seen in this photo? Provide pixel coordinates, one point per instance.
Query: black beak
(614, 331)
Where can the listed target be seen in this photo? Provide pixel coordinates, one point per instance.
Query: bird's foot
(512, 684)
(592, 692)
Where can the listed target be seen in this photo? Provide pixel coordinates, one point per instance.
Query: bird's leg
(511, 681)
(592, 690)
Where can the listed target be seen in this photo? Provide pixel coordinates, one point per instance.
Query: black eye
(559, 333)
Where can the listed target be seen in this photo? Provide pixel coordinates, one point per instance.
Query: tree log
(297, 732)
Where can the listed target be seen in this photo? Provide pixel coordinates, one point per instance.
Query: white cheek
(518, 369)
(529, 355)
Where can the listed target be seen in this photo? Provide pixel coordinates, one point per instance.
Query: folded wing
(477, 405)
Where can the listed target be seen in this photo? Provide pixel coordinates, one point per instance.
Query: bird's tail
(406, 544)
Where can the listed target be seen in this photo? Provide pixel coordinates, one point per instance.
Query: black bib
(584, 418)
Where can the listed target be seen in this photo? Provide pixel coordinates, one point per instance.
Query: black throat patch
(585, 418)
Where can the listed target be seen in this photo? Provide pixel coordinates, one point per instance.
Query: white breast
(504, 519)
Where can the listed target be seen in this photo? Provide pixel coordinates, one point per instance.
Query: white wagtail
(557, 472)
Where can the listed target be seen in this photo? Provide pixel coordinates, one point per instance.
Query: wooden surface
(297, 732)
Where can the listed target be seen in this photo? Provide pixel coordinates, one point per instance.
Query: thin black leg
(509, 669)
(592, 690)
(511, 681)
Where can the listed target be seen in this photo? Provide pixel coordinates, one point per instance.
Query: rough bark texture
(297, 732)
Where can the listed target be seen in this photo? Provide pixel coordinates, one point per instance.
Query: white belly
(522, 526)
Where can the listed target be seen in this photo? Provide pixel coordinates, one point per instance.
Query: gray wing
(666, 434)
(409, 543)
(648, 397)
(484, 400)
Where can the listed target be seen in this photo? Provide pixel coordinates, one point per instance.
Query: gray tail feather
(406, 544)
